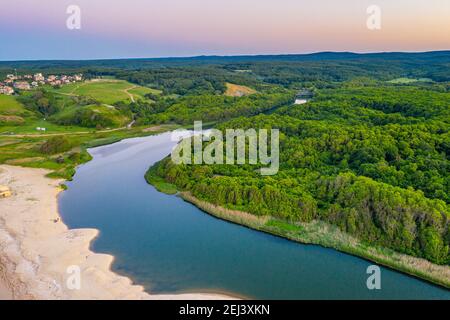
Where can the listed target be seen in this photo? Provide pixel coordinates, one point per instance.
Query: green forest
(372, 160)
(367, 155)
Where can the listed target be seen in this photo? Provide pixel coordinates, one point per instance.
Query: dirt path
(60, 133)
(129, 94)
(71, 93)
(131, 124)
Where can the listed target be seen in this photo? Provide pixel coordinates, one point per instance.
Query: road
(37, 135)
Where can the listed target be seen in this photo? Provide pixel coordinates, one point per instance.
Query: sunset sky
(33, 29)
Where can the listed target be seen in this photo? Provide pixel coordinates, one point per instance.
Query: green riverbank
(62, 152)
(317, 233)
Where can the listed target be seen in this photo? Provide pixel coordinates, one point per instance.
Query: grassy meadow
(10, 106)
(81, 115)
(107, 91)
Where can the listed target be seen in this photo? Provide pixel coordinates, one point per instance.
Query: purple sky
(36, 29)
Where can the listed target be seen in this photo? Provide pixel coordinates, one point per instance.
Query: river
(169, 246)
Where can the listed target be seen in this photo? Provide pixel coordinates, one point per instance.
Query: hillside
(107, 91)
(234, 90)
(371, 160)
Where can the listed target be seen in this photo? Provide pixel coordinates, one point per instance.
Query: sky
(37, 29)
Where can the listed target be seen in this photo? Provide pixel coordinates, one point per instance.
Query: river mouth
(170, 246)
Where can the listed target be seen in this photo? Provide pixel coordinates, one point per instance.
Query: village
(14, 83)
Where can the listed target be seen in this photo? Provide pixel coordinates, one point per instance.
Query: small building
(6, 90)
(22, 85)
(39, 77)
(5, 192)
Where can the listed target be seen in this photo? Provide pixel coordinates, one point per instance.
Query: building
(22, 85)
(55, 83)
(38, 77)
(35, 80)
(5, 192)
(6, 90)
(65, 79)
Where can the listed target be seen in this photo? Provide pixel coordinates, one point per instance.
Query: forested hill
(371, 159)
(437, 56)
(434, 64)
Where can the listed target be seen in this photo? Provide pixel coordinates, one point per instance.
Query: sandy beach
(38, 253)
(5, 292)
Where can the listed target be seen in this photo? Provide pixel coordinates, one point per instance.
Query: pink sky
(147, 28)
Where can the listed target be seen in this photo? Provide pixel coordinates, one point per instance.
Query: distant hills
(319, 56)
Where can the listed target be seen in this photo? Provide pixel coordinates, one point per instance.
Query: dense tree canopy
(372, 160)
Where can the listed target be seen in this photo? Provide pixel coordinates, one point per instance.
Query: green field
(16, 119)
(18, 114)
(90, 116)
(10, 106)
(106, 91)
(31, 124)
(138, 92)
(25, 150)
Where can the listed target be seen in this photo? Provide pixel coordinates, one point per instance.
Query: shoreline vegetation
(61, 152)
(26, 286)
(314, 233)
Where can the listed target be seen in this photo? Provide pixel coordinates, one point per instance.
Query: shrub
(55, 145)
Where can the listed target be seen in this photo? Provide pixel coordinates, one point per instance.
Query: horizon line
(231, 56)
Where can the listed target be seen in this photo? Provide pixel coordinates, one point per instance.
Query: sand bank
(37, 250)
(5, 292)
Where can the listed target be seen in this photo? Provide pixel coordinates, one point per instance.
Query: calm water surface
(170, 246)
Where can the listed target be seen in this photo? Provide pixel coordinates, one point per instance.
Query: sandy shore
(5, 292)
(37, 249)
